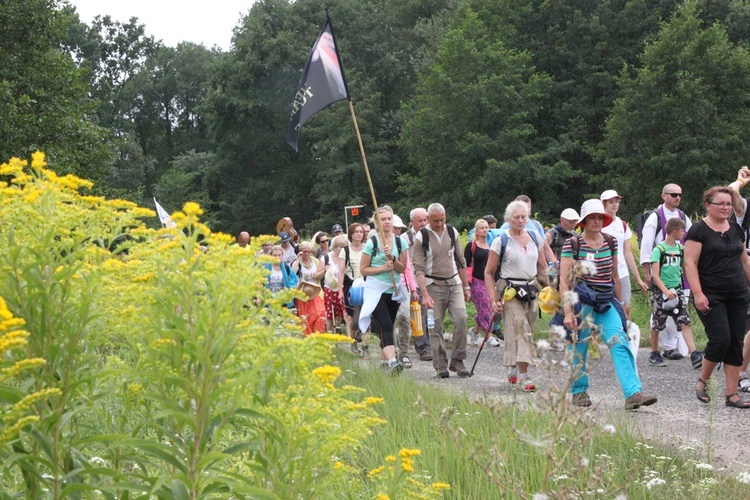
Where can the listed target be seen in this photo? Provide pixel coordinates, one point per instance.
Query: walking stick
(486, 336)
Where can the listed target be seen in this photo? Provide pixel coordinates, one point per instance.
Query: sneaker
(499, 334)
(492, 342)
(696, 358)
(557, 345)
(527, 385)
(406, 361)
(457, 366)
(365, 352)
(673, 354)
(425, 356)
(474, 337)
(513, 376)
(744, 385)
(581, 399)
(393, 367)
(639, 399)
(655, 359)
(443, 373)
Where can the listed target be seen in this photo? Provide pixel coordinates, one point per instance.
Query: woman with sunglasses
(718, 270)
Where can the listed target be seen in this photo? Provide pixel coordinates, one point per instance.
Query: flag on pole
(322, 82)
(164, 217)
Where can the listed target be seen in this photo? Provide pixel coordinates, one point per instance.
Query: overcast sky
(173, 21)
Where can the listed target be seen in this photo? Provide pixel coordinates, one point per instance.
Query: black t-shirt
(479, 262)
(719, 265)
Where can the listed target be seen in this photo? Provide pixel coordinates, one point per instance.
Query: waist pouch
(525, 292)
(600, 297)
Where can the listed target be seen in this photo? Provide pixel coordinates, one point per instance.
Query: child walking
(667, 297)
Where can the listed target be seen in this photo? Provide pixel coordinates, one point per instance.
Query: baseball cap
(284, 236)
(570, 214)
(337, 228)
(397, 222)
(609, 194)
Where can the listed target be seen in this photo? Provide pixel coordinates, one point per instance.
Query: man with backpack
(654, 232)
(418, 219)
(741, 217)
(440, 268)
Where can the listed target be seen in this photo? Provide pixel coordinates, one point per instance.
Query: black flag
(322, 83)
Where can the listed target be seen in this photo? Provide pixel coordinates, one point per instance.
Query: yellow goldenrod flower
(327, 374)
(440, 486)
(407, 464)
(192, 208)
(37, 160)
(374, 472)
(390, 458)
(406, 453)
(382, 496)
(373, 400)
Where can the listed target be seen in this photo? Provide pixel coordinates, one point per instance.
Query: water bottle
(430, 319)
(552, 275)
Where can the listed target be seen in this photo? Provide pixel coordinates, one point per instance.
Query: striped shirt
(601, 258)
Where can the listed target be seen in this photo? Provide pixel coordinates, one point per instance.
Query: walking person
(519, 256)
(383, 262)
(350, 257)
(310, 271)
(440, 269)
(718, 270)
(589, 267)
(476, 253)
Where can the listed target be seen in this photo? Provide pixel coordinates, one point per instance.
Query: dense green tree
(683, 116)
(259, 179)
(186, 180)
(43, 96)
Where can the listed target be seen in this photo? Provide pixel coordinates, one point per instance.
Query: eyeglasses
(722, 205)
(675, 195)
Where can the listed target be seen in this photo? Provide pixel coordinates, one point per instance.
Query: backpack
(426, 242)
(640, 221)
(663, 253)
(504, 243)
(558, 240)
(575, 244)
(374, 239)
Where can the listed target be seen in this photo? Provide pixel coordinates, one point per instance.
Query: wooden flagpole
(379, 226)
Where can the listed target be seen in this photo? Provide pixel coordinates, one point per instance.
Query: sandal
(739, 403)
(406, 361)
(702, 394)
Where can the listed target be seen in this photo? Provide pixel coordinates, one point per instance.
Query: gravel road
(677, 420)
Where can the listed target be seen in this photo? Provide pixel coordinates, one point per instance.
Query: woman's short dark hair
(708, 195)
(320, 237)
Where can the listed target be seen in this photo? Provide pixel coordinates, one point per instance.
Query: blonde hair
(307, 245)
(340, 241)
(478, 223)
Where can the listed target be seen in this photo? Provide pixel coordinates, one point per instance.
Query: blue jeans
(611, 331)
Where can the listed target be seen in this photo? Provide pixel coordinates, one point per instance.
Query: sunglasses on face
(323, 241)
(675, 195)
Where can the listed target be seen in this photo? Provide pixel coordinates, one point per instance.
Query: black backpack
(374, 239)
(426, 242)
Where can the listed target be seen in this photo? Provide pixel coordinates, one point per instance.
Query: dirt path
(717, 433)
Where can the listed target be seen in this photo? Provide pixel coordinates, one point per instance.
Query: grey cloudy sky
(173, 21)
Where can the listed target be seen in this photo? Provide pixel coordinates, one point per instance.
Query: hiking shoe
(696, 358)
(655, 359)
(498, 333)
(744, 384)
(492, 342)
(557, 345)
(365, 352)
(443, 373)
(527, 385)
(475, 340)
(393, 367)
(581, 399)
(457, 366)
(639, 399)
(673, 354)
(354, 348)
(406, 361)
(425, 356)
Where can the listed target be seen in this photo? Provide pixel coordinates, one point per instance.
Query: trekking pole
(484, 340)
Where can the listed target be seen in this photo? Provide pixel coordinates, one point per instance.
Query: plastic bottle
(430, 319)
(552, 275)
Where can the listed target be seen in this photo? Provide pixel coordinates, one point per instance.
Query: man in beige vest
(440, 269)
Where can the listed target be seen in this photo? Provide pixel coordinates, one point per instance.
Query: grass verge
(544, 450)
